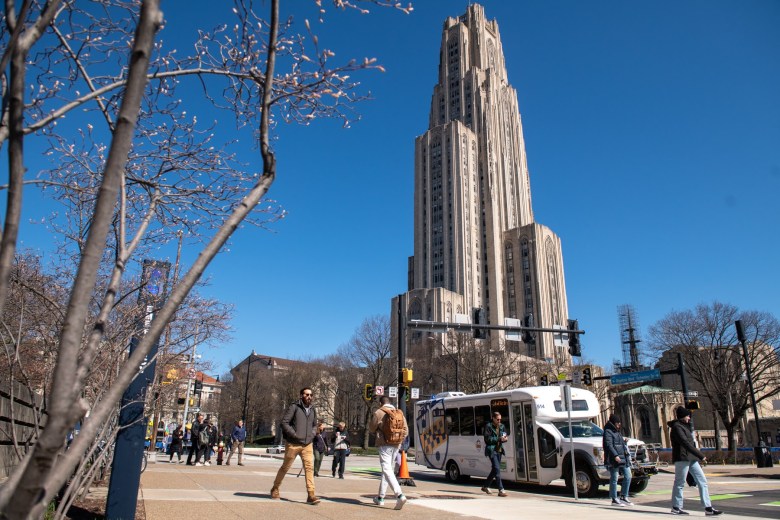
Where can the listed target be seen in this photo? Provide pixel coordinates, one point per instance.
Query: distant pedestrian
(177, 443)
(495, 437)
(210, 438)
(687, 458)
(194, 440)
(617, 459)
(237, 439)
(299, 426)
(390, 427)
(340, 442)
(320, 448)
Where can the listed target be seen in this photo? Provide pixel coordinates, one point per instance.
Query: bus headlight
(598, 453)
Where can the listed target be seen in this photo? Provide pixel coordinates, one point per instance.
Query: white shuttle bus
(449, 436)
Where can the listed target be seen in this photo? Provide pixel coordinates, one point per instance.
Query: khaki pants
(237, 445)
(307, 458)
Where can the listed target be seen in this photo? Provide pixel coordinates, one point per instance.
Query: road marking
(774, 504)
(728, 496)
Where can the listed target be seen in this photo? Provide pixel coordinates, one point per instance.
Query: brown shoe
(240, 463)
(275, 493)
(313, 500)
(501, 493)
(227, 464)
(486, 490)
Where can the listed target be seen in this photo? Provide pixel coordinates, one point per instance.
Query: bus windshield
(581, 428)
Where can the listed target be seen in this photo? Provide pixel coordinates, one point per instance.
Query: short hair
(384, 400)
(496, 414)
(306, 388)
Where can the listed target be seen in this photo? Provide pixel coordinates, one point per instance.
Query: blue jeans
(613, 478)
(681, 470)
(495, 471)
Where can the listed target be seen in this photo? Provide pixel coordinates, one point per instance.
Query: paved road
(243, 493)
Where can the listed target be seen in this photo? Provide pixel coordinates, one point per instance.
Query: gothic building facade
(476, 243)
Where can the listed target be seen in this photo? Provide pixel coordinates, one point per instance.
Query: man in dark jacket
(238, 437)
(617, 459)
(495, 437)
(197, 424)
(686, 457)
(299, 426)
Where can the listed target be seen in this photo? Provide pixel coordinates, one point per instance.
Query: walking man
(617, 460)
(299, 425)
(687, 458)
(391, 429)
(320, 447)
(194, 441)
(495, 437)
(237, 439)
(340, 446)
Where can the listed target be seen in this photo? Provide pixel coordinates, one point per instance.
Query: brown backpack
(393, 426)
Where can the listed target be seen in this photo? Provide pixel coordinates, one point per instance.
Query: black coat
(683, 447)
(614, 446)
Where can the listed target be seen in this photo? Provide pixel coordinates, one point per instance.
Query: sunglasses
(307, 395)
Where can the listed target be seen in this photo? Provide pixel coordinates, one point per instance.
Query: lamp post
(252, 357)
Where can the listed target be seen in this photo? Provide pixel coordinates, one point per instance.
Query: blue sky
(653, 138)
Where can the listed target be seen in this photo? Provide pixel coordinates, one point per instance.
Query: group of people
(303, 432)
(686, 456)
(204, 437)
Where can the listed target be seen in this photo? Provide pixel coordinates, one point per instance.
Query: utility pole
(763, 460)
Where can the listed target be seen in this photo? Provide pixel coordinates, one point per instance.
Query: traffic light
(528, 336)
(587, 376)
(543, 381)
(407, 375)
(198, 386)
(574, 339)
(192, 401)
(692, 404)
(478, 316)
(407, 394)
(181, 401)
(368, 392)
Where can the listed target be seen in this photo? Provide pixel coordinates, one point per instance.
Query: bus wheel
(587, 485)
(637, 486)
(453, 472)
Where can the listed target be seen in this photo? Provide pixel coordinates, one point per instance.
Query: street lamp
(250, 359)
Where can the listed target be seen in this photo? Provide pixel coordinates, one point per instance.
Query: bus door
(525, 447)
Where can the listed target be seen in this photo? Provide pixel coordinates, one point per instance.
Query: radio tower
(629, 338)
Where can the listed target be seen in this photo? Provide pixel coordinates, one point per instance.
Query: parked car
(279, 448)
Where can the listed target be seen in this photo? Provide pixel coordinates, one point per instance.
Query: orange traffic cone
(403, 472)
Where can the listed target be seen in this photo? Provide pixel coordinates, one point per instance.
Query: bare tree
(707, 339)
(125, 207)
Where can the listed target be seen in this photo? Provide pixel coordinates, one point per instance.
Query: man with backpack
(391, 429)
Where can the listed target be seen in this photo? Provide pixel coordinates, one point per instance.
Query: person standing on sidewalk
(320, 447)
(389, 425)
(340, 447)
(177, 443)
(687, 458)
(617, 460)
(194, 440)
(237, 438)
(495, 437)
(299, 425)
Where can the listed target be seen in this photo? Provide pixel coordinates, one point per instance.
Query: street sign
(635, 377)
(560, 339)
(195, 409)
(379, 390)
(561, 379)
(415, 393)
(692, 393)
(513, 322)
(191, 373)
(392, 391)
(576, 378)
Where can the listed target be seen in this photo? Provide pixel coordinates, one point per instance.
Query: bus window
(548, 451)
(467, 420)
(501, 406)
(451, 421)
(481, 418)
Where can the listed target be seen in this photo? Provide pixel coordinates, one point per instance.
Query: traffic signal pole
(401, 355)
(444, 326)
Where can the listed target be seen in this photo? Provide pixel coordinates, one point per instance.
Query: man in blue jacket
(237, 437)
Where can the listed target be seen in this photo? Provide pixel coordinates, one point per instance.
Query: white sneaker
(618, 503)
(207, 463)
(626, 501)
(379, 501)
(198, 464)
(399, 504)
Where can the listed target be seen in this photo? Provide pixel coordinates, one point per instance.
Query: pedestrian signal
(692, 404)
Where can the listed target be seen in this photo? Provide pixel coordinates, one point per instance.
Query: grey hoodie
(297, 426)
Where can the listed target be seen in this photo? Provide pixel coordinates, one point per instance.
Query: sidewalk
(243, 492)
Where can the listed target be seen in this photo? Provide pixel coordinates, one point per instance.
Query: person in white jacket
(388, 449)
